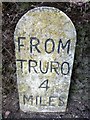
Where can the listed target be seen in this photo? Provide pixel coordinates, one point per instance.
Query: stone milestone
(45, 40)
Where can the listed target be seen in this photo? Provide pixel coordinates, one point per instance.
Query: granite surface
(45, 39)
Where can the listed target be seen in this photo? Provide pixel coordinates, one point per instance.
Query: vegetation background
(78, 105)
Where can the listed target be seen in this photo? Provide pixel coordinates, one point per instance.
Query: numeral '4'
(44, 85)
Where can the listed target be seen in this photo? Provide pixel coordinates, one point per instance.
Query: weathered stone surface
(44, 44)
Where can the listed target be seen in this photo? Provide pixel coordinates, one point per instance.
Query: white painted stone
(51, 27)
